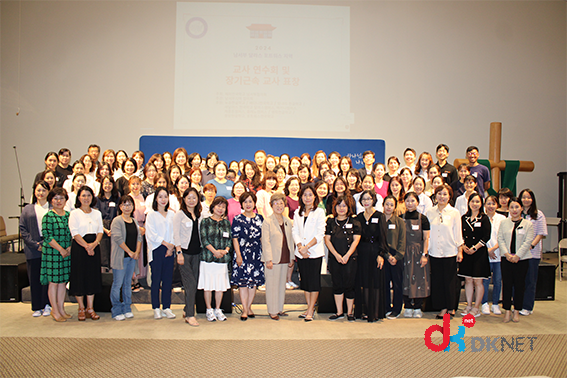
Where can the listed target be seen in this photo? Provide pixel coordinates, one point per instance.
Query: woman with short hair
(126, 246)
(85, 223)
(277, 254)
(308, 234)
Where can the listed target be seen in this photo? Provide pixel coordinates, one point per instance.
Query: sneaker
(262, 287)
(293, 284)
(219, 315)
(336, 316)
(289, 286)
(485, 309)
(47, 310)
(128, 315)
(177, 290)
(210, 315)
(157, 313)
(408, 313)
(168, 313)
(119, 317)
(496, 310)
(393, 315)
(37, 313)
(417, 313)
(526, 312)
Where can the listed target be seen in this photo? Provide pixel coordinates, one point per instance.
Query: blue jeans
(531, 281)
(122, 278)
(496, 284)
(162, 275)
(395, 275)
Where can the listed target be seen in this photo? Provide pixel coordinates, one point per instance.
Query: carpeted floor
(44, 357)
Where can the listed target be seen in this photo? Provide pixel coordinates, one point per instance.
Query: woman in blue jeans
(490, 207)
(126, 244)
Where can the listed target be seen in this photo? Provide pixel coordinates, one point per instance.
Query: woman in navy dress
(247, 267)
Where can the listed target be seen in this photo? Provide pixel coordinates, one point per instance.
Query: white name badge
(521, 232)
(225, 234)
(374, 220)
(111, 204)
(229, 188)
(391, 227)
(415, 227)
(348, 225)
(187, 224)
(477, 224)
(444, 174)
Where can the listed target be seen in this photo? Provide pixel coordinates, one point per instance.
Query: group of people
(417, 229)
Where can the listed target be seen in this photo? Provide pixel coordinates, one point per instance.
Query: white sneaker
(219, 315)
(157, 313)
(525, 312)
(485, 309)
(37, 313)
(210, 315)
(496, 310)
(289, 286)
(119, 317)
(168, 313)
(408, 313)
(417, 313)
(128, 315)
(47, 310)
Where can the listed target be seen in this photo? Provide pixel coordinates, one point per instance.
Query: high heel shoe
(60, 319)
(92, 314)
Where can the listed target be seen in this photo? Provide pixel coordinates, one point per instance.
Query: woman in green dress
(55, 260)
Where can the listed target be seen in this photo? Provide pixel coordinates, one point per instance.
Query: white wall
(421, 73)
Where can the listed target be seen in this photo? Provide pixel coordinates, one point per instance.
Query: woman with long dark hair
(85, 223)
(30, 230)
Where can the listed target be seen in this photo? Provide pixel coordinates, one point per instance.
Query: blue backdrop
(236, 148)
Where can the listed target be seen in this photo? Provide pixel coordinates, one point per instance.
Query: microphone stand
(22, 198)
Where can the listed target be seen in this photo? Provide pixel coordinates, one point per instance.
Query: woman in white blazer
(277, 254)
(308, 234)
(514, 240)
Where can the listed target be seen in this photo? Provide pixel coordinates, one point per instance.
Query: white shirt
(40, 212)
(445, 235)
(496, 220)
(461, 204)
(158, 229)
(263, 203)
(314, 227)
(70, 204)
(425, 204)
(81, 223)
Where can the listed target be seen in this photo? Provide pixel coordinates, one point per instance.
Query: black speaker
(102, 300)
(326, 301)
(13, 276)
(545, 287)
(226, 304)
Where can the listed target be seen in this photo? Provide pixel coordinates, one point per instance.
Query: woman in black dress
(342, 236)
(473, 258)
(372, 249)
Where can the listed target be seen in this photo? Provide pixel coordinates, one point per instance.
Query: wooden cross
(497, 165)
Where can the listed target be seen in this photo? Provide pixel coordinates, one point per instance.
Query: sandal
(81, 316)
(192, 322)
(466, 311)
(92, 314)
